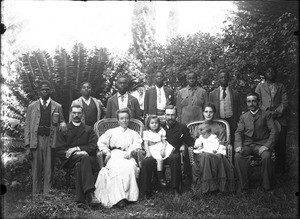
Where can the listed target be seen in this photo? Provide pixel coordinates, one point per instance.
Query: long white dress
(117, 180)
(156, 143)
(210, 145)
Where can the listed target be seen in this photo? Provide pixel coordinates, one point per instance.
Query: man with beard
(176, 135)
(77, 149)
(255, 135)
(43, 119)
(122, 99)
(93, 109)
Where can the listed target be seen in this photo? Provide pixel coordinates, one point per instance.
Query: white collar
(86, 100)
(221, 89)
(47, 101)
(253, 113)
(76, 123)
(124, 95)
(157, 88)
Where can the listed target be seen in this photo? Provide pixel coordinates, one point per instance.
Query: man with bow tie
(122, 99)
(44, 118)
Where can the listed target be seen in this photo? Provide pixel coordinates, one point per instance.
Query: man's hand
(238, 149)
(70, 151)
(262, 149)
(63, 127)
(28, 153)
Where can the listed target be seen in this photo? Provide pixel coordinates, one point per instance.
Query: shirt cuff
(78, 148)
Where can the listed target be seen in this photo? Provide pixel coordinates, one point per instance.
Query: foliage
(259, 35)
(55, 205)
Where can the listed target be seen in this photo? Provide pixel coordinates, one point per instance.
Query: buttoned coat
(278, 102)
(32, 121)
(113, 106)
(190, 105)
(258, 129)
(98, 103)
(150, 101)
(214, 97)
(85, 139)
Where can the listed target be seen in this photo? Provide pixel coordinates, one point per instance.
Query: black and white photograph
(149, 109)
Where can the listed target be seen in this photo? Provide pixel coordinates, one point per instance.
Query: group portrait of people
(166, 139)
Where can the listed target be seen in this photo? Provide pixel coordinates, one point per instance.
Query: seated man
(77, 149)
(256, 134)
(176, 134)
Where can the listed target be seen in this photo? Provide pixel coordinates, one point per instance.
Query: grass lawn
(256, 204)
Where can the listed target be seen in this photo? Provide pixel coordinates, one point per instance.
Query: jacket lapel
(115, 100)
(53, 106)
(154, 100)
(266, 88)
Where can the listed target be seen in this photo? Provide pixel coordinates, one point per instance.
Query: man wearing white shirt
(158, 97)
(44, 118)
(256, 135)
(93, 109)
(122, 99)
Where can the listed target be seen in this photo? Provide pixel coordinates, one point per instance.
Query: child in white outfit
(208, 142)
(156, 145)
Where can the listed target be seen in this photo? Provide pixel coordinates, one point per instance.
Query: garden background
(253, 36)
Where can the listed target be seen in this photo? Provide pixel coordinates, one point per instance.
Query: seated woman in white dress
(116, 182)
(156, 144)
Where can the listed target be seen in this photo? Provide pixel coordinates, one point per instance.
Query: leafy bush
(55, 205)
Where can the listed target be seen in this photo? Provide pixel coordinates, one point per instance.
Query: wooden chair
(105, 124)
(193, 126)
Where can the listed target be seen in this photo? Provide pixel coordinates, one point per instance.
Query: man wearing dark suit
(158, 97)
(93, 109)
(273, 98)
(256, 134)
(176, 135)
(43, 119)
(77, 149)
(122, 99)
(227, 102)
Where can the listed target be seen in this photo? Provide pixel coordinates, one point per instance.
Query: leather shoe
(121, 204)
(91, 199)
(163, 182)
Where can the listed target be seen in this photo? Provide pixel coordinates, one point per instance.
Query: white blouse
(125, 139)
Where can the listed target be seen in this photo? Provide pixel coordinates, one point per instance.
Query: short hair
(163, 74)
(122, 76)
(224, 72)
(252, 93)
(85, 82)
(211, 105)
(44, 82)
(148, 119)
(76, 106)
(172, 107)
(191, 73)
(123, 110)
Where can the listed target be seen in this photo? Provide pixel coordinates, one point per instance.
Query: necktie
(122, 98)
(224, 93)
(44, 104)
(159, 95)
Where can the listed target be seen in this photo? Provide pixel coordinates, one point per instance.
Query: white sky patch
(108, 24)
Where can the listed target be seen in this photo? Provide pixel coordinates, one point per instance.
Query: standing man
(273, 98)
(227, 102)
(77, 149)
(93, 109)
(190, 101)
(158, 97)
(122, 99)
(176, 134)
(43, 119)
(256, 134)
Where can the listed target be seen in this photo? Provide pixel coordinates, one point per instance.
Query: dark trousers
(149, 167)
(42, 158)
(84, 178)
(242, 163)
(280, 150)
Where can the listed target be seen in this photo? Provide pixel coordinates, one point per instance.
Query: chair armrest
(138, 155)
(191, 155)
(229, 152)
(100, 159)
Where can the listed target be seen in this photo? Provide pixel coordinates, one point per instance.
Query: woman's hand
(148, 154)
(163, 152)
(127, 155)
(107, 157)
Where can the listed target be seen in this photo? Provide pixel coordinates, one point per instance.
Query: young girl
(156, 145)
(208, 142)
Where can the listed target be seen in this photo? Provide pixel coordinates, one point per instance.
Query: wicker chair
(105, 124)
(193, 126)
